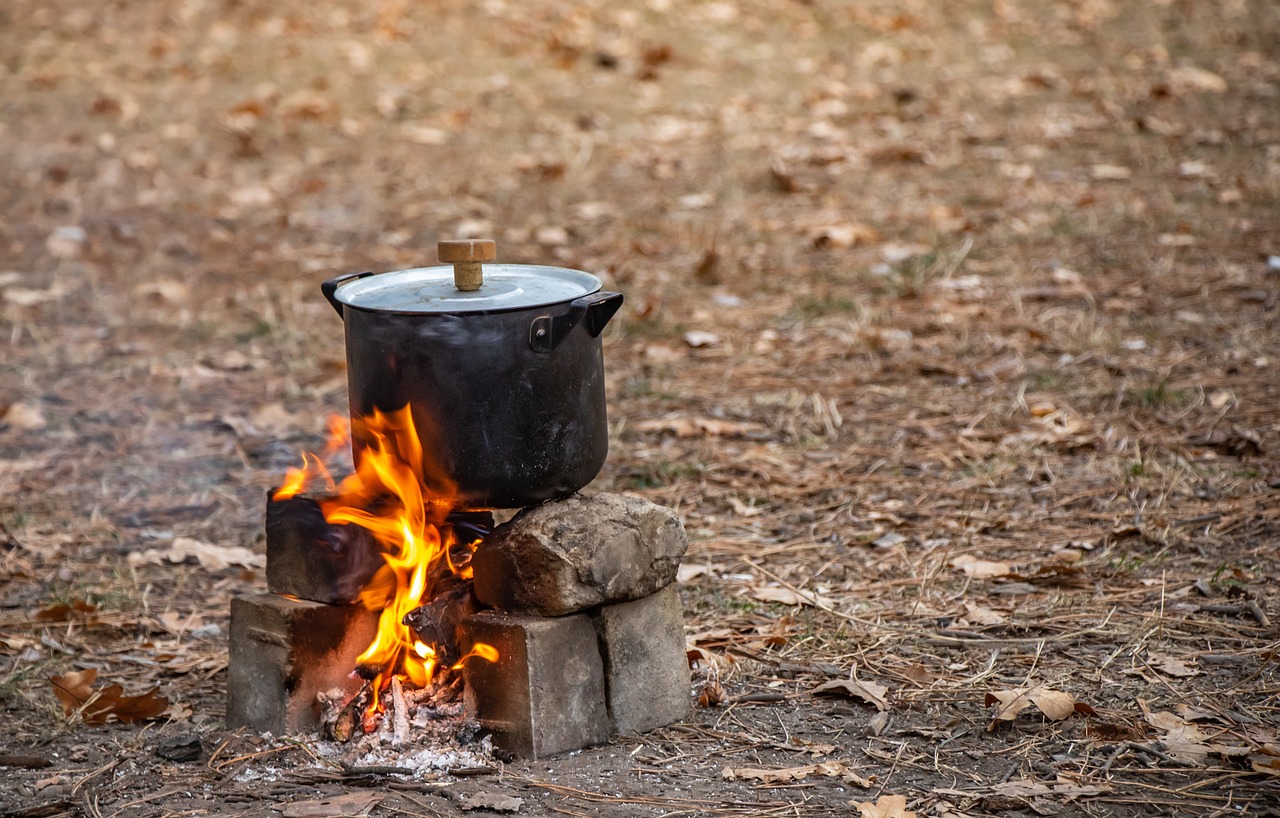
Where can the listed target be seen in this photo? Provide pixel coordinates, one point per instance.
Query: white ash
(423, 732)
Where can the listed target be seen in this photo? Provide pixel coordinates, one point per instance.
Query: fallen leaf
(26, 297)
(787, 596)
(1010, 704)
(744, 510)
(76, 693)
(978, 615)
(768, 777)
(869, 692)
(493, 801)
(346, 804)
(1181, 739)
(700, 338)
(886, 806)
(981, 569)
(1172, 667)
(1110, 173)
(700, 427)
(22, 416)
(1054, 704)
(63, 611)
(1267, 765)
(212, 557)
(74, 689)
(842, 235)
(1067, 791)
(712, 694)
(149, 705)
(424, 134)
(1191, 79)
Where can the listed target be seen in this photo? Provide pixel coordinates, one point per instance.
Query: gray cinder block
(285, 651)
(545, 694)
(645, 665)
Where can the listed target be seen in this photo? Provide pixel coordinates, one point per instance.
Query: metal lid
(432, 289)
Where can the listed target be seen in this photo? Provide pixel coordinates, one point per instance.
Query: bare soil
(951, 332)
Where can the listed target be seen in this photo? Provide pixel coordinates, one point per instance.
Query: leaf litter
(972, 302)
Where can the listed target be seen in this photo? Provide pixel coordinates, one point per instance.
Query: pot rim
(430, 290)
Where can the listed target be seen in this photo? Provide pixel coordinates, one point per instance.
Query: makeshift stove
(550, 628)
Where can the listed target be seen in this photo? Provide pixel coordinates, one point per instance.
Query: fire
(387, 496)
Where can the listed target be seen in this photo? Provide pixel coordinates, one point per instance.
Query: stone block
(570, 555)
(284, 652)
(645, 666)
(312, 559)
(545, 694)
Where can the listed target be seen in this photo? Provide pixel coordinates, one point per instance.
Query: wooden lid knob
(454, 252)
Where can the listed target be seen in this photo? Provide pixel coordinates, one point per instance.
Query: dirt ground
(951, 332)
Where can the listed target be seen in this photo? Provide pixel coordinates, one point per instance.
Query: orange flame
(387, 496)
(296, 480)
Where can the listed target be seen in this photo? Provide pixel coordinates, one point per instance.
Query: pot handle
(592, 311)
(331, 286)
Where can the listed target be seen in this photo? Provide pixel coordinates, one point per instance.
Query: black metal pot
(506, 381)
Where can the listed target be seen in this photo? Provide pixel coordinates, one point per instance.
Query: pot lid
(433, 290)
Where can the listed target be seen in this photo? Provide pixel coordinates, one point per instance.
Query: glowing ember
(386, 495)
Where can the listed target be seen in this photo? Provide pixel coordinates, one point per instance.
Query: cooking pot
(501, 365)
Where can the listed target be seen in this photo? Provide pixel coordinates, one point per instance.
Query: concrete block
(570, 555)
(311, 559)
(284, 652)
(545, 694)
(645, 666)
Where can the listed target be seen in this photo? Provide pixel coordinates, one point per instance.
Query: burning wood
(423, 555)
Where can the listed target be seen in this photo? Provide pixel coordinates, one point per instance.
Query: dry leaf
(744, 510)
(886, 806)
(213, 557)
(842, 235)
(695, 427)
(981, 569)
(1065, 790)
(869, 692)
(1172, 667)
(787, 596)
(827, 769)
(1190, 79)
(22, 416)
(1267, 765)
(698, 338)
(1010, 704)
(978, 615)
(712, 694)
(74, 689)
(492, 801)
(766, 776)
(63, 611)
(1110, 173)
(149, 705)
(1054, 704)
(346, 804)
(76, 693)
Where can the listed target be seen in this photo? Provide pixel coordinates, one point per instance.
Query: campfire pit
(549, 632)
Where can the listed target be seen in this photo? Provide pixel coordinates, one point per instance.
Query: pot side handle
(330, 287)
(592, 311)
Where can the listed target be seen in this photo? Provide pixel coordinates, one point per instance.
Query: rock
(570, 555)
